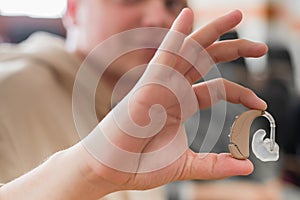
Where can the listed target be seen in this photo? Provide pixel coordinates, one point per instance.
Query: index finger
(210, 92)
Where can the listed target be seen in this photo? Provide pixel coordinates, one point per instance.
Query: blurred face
(97, 20)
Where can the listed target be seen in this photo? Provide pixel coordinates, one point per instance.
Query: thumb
(215, 166)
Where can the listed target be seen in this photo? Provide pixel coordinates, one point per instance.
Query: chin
(145, 55)
(133, 60)
(139, 57)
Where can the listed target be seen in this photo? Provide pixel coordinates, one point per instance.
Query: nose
(155, 14)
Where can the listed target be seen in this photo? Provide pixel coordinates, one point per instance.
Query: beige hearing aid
(240, 133)
(265, 149)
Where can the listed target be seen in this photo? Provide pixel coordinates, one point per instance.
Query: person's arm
(80, 173)
(65, 175)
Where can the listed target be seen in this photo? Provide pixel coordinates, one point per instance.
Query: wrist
(88, 176)
(99, 175)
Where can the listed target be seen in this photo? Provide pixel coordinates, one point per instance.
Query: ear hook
(272, 126)
(240, 133)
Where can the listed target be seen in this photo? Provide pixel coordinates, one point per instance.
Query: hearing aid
(264, 149)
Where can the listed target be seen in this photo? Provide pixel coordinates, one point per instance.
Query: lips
(142, 38)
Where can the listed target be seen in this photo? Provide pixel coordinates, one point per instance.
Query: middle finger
(195, 43)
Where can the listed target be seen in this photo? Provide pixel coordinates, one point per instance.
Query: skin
(89, 179)
(109, 17)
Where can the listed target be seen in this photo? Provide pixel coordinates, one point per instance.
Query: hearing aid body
(265, 150)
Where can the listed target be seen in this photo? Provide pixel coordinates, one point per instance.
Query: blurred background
(274, 77)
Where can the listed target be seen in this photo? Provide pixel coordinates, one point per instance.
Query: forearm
(65, 175)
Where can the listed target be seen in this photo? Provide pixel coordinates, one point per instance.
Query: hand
(146, 145)
(148, 124)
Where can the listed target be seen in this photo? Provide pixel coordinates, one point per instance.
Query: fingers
(204, 37)
(198, 50)
(174, 39)
(210, 92)
(223, 51)
(212, 31)
(230, 50)
(183, 22)
(214, 166)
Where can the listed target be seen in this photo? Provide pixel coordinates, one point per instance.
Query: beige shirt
(36, 81)
(35, 109)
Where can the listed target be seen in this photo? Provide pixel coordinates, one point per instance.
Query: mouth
(145, 38)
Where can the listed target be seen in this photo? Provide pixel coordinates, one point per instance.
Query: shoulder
(34, 63)
(22, 72)
(26, 86)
